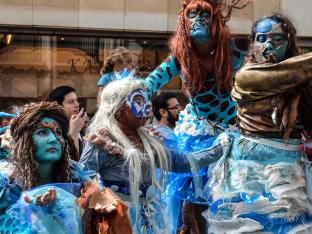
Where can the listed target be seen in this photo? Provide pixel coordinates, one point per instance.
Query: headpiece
(224, 7)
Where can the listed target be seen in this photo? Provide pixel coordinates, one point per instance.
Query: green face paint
(48, 139)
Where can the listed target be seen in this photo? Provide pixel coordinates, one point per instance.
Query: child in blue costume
(131, 173)
(263, 183)
(116, 67)
(205, 58)
(40, 156)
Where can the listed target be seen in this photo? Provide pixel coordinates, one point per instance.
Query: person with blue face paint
(36, 190)
(205, 57)
(263, 183)
(199, 23)
(48, 143)
(270, 40)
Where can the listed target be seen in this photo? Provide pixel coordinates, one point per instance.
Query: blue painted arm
(183, 163)
(161, 76)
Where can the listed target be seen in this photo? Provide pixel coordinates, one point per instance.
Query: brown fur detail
(112, 219)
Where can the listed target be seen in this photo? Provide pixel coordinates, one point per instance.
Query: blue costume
(196, 128)
(114, 174)
(62, 216)
(111, 76)
(262, 184)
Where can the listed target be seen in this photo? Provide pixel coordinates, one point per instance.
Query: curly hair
(219, 63)
(120, 55)
(22, 129)
(287, 27)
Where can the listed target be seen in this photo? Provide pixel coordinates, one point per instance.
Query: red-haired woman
(205, 58)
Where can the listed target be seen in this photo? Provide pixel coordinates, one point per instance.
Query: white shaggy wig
(112, 99)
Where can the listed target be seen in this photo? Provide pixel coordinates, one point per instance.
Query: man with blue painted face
(263, 184)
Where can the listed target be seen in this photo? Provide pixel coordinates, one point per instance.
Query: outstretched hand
(104, 140)
(42, 200)
(153, 132)
(106, 209)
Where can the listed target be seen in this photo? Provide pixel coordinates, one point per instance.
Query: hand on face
(270, 43)
(199, 23)
(48, 141)
(42, 200)
(77, 122)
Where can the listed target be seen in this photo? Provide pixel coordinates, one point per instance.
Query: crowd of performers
(231, 163)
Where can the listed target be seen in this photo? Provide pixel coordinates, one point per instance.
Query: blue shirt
(106, 78)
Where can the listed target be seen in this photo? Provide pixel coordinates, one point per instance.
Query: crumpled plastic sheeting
(308, 173)
(62, 216)
(197, 139)
(239, 225)
(151, 218)
(262, 184)
(79, 174)
(9, 193)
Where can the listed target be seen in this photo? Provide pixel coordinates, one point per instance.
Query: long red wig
(219, 62)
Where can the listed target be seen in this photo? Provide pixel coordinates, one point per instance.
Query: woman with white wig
(130, 170)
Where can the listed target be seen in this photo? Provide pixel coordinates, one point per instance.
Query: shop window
(32, 65)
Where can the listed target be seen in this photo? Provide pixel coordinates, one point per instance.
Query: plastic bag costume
(261, 184)
(209, 106)
(62, 216)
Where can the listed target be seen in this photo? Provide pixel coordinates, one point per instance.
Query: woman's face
(48, 141)
(270, 40)
(199, 23)
(135, 110)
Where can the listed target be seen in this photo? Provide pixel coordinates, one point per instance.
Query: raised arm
(185, 162)
(161, 76)
(256, 81)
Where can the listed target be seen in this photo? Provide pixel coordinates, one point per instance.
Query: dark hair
(161, 102)
(288, 28)
(58, 94)
(22, 128)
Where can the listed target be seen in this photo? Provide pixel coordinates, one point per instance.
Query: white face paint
(138, 103)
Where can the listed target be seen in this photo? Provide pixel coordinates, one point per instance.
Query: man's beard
(171, 119)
